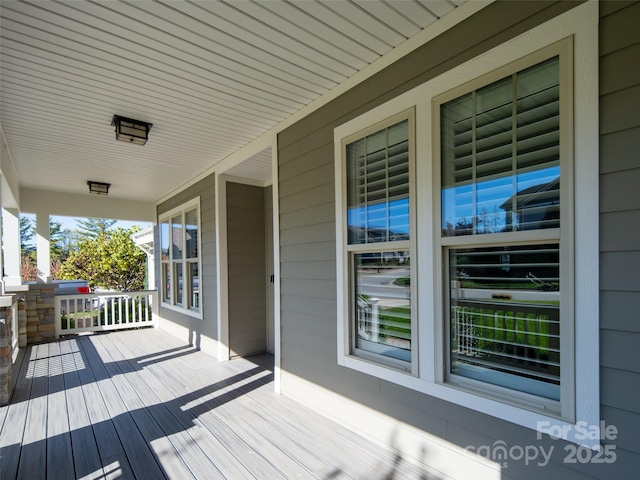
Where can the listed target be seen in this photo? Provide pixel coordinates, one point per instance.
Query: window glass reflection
(191, 230)
(179, 283)
(383, 304)
(176, 237)
(505, 316)
(378, 186)
(194, 285)
(164, 240)
(501, 155)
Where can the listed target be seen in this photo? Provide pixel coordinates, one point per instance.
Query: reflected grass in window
(383, 304)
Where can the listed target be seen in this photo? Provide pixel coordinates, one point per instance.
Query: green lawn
(396, 321)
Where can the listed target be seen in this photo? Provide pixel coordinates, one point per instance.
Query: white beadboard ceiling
(210, 75)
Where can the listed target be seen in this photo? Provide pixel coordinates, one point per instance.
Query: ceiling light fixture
(131, 131)
(98, 188)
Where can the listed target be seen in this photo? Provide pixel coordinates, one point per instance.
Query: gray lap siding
(307, 232)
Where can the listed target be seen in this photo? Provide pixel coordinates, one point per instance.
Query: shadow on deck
(139, 404)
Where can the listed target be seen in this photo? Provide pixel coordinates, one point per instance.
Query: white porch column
(151, 271)
(43, 247)
(11, 245)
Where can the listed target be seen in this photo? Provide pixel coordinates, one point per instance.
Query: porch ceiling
(211, 76)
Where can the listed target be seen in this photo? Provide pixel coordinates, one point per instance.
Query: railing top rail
(110, 293)
(496, 303)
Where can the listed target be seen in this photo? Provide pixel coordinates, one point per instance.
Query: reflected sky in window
(525, 201)
(379, 222)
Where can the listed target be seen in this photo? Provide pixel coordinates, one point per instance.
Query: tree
(57, 241)
(28, 269)
(109, 260)
(94, 227)
(27, 231)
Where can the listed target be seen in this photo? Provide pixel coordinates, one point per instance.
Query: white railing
(100, 311)
(368, 318)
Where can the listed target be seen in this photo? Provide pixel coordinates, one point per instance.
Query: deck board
(87, 462)
(141, 458)
(239, 454)
(242, 453)
(164, 386)
(112, 454)
(175, 449)
(140, 404)
(16, 371)
(34, 447)
(15, 418)
(58, 444)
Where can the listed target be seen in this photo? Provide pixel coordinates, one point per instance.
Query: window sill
(535, 417)
(192, 313)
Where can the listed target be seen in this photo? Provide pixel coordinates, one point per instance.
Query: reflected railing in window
(505, 317)
(383, 304)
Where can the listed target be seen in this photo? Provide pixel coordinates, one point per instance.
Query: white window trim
(562, 236)
(166, 217)
(581, 23)
(349, 250)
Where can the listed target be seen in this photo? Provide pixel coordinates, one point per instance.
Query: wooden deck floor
(140, 404)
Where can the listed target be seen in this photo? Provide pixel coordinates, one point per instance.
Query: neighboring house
(534, 207)
(144, 240)
(474, 116)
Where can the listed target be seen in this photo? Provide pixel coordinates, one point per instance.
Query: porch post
(11, 241)
(222, 268)
(43, 247)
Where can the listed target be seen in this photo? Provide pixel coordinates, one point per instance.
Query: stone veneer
(40, 313)
(36, 323)
(6, 350)
(22, 322)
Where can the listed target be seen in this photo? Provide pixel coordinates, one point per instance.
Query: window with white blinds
(501, 175)
(501, 155)
(378, 186)
(180, 253)
(377, 167)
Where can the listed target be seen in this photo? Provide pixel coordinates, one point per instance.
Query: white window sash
(185, 306)
(346, 299)
(564, 408)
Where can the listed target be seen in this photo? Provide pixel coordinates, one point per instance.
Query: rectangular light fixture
(131, 131)
(98, 188)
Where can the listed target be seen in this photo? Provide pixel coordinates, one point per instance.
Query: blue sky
(376, 215)
(70, 223)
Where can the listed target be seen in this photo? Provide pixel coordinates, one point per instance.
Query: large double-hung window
(378, 232)
(467, 232)
(505, 194)
(180, 257)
